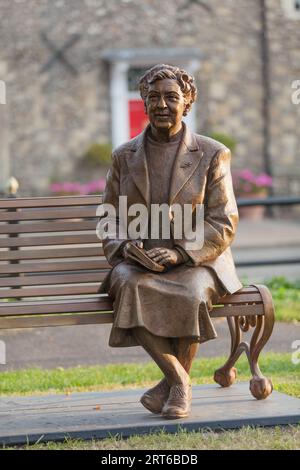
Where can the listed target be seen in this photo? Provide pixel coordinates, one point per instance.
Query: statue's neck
(166, 135)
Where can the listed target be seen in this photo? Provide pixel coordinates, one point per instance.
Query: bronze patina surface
(167, 313)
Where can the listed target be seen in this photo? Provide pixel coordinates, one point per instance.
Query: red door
(138, 120)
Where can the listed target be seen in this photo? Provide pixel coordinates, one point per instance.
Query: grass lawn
(286, 297)
(285, 376)
(247, 438)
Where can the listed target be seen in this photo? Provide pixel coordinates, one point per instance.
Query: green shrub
(98, 154)
(225, 139)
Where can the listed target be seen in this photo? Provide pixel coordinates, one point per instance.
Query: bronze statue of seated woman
(167, 312)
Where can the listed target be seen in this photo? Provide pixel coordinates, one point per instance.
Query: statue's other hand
(164, 256)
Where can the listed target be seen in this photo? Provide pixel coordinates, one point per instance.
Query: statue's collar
(189, 139)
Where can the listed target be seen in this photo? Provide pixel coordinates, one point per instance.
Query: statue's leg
(172, 396)
(162, 352)
(186, 350)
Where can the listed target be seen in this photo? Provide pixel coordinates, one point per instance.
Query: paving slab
(105, 414)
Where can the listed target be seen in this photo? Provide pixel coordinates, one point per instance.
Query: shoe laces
(179, 391)
(162, 386)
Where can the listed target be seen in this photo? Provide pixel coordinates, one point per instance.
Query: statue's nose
(162, 103)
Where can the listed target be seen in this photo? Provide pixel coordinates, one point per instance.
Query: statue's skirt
(175, 303)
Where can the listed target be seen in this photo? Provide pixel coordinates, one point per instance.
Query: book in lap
(139, 256)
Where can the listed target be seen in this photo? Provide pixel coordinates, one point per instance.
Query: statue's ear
(187, 104)
(187, 108)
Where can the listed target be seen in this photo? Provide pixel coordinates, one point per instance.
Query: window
(291, 9)
(134, 74)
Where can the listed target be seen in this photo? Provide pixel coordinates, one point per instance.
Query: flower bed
(249, 185)
(74, 188)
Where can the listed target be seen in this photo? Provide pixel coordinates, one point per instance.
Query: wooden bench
(52, 263)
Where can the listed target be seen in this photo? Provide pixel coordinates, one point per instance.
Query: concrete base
(100, 415)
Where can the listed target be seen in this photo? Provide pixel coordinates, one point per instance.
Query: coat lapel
(188, 157)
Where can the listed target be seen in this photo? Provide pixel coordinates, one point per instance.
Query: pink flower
(96, 186)
(55, 187)
(66, 188)
(246, 182)
(92, 187)
(264, 180)
(72, 188)
(247, 175)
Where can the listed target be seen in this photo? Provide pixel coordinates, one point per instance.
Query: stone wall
(284, 43)
(55, 115)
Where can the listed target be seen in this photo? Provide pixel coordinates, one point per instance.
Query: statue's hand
(138, 243)
(164, 256)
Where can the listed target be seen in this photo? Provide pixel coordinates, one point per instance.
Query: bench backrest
(47, 245)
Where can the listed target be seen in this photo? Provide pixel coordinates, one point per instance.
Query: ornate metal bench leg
(260, 386)
(226, 375)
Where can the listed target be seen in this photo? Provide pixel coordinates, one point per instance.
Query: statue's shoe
(155, 398)
(178, 404)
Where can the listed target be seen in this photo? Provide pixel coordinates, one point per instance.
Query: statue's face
(165, 104)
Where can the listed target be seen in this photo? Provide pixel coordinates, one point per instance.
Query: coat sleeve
(220, 211)
(113, 245)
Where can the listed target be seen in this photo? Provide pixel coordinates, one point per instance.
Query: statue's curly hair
(162, 71)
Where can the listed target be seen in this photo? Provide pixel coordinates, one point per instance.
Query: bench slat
(103, 303)
(49, 291)
(55, 201)
(56, 320)
(242, 298)
(49, 307)
(44, 279)
(61, 239)
(51, 253)
(55, 226)
(237, 310)
(40, 214)
(87, 289)
(51, 267)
